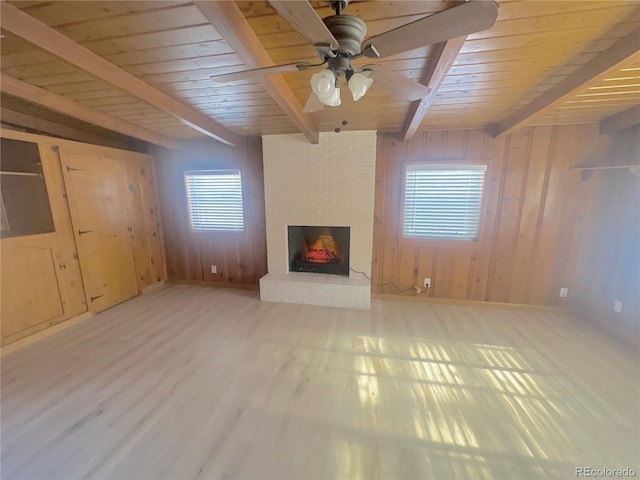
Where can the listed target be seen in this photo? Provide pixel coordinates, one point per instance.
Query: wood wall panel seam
(540, 216)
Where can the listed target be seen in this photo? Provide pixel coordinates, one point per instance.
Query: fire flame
(323, 250)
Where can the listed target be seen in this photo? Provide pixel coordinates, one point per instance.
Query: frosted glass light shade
(359, 84)
(313, 103)
(332, 100)
(323, 85)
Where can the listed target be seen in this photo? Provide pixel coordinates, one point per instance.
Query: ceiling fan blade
(464, 19)
(302, 17)
(313, 104)
(257, 73)
(398, 85)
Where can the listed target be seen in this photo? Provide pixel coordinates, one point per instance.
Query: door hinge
(62, 266)
(96, 297)
(73, 169)
(82, 232)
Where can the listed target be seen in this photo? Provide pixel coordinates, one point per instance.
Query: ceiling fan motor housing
(348, 31)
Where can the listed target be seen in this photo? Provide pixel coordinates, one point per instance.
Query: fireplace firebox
(319, 249)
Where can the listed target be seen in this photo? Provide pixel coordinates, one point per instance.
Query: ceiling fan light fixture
(359, 84)
(339, 39)
(323, 83)
(332, 100)
(324, 86)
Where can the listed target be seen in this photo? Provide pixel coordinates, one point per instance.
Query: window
(443, 201)
(25, 208)
(215, 200)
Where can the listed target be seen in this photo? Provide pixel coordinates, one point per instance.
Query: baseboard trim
(36, 337)
(470, 303)
(153, 286)
(627, 335)
(206, 283)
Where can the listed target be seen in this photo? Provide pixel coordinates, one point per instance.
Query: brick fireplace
(319, 187)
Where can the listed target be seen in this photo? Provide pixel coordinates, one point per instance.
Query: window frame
(25, 160)
(188, 208)
(444, 164)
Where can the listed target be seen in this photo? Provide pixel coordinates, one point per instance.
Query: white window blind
(443, 201)
(215, 200)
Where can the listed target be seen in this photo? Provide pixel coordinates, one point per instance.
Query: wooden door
(30, 286)
(41, 282)
(97, 192)
(137, 233)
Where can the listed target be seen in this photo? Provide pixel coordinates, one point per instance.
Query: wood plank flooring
(196, 382)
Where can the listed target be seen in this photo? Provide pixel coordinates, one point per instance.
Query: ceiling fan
(339, 39)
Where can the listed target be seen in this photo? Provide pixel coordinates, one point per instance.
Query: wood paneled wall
(605, 252)
(533, 216)
(44, 276)
(241, 259)
(457, 269)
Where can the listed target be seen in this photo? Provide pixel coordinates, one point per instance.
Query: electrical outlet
(564, 292)
(214, 269)
(427, 282)
(617, 306)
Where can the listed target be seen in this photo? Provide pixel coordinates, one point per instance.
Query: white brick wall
(331, 183)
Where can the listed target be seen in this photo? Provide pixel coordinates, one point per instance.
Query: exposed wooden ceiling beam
(619, 121)
(589, 74)
(39, 34)
(60, 104)
(230, 23)
(34, 124)
(444, 55)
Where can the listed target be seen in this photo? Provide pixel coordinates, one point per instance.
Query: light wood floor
(196, 382)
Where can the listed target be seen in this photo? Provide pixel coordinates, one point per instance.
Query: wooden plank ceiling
(171, 45)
